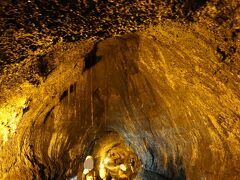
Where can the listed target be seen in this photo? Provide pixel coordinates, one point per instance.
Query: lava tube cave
(160, 103)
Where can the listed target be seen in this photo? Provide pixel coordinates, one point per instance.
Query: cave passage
(145, 106)
(111, 159)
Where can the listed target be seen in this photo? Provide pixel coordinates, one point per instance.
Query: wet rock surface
(171, 91)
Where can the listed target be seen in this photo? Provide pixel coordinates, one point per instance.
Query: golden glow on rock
(102, 170)
(106, 160)
(173, 107)
(11, 110)
(115, 159)
(10, 116)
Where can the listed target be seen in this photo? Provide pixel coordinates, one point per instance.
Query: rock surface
(162, 90)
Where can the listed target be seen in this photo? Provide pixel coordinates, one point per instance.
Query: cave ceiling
(120, 89)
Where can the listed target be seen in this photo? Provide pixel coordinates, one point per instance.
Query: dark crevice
(72, 87)
(152, 157)
(25, 109)
(64, 94)
(91, 58)
(44, 66)
(148, 174)
(38, 166)
(175, 169)
(223, 54)
(47, 115)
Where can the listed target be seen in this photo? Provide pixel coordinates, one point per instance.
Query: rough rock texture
(163, 90)
(30, 28)
(171, 90)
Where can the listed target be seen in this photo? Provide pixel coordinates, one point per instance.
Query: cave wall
(159, 89)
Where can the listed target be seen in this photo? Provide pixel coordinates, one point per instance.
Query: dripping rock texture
(157, 89)
(161, 78)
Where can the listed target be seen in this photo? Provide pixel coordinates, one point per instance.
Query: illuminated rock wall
(159, 89)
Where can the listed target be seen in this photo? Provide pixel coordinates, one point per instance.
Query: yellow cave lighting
(102, 171)
(10, 116)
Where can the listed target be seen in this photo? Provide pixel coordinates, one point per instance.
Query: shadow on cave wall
(91, 58)
(173, 170)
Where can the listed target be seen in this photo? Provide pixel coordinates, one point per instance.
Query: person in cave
(88, 172)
